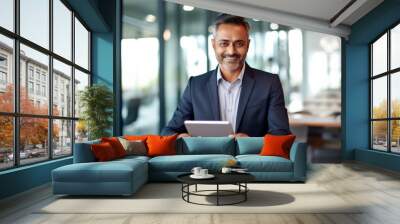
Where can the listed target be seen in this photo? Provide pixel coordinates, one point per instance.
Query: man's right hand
(182, 135)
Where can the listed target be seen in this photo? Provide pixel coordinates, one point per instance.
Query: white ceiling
(314, 15)
(321, 9)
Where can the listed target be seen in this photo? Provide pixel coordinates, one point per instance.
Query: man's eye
(239, 44)
(223, 44)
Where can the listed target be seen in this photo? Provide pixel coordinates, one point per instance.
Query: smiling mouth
(231, 59)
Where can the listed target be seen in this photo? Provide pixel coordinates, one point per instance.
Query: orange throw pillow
(116, 145)
(277, 145)
(103, 152)
(161, 145)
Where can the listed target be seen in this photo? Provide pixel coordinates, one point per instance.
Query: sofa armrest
(298, 155)
(83, 152)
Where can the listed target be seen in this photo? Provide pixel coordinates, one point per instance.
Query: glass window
(3, 61)
(81, 82)
(379, 135)
(6, 142)
(33, 140)
(81, 131)
(43, 90)
(173, 73)
(37, 74)
(382, 138)
(379, 56)
(6, 74)
(62, 29)
(81, 45)
(62, 138)
(140, 110)
(37, 89)
(395, 47)
(62, 72)
(3, 78)
(7, 14)
(40, 62)
(379, 98)
(34, 79)
(395, 136)
(30, 71)
(193, 43)
(395, 95)
(30, 87)
(34, 21)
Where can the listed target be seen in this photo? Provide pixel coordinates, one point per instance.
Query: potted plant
(96, 103)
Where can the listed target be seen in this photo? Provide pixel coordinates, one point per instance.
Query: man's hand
(239, 135)
(182, 135)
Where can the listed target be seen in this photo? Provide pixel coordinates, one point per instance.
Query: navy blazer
(261, 107)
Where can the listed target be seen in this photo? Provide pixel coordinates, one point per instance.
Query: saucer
(208, 176)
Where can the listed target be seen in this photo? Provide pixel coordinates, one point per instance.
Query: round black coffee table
(238, 179)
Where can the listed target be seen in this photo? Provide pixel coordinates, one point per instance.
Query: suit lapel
(247, 87)
(213, 95)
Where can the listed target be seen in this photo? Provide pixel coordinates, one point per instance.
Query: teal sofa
(125, 176)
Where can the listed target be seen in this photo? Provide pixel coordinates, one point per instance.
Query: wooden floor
(378, 189)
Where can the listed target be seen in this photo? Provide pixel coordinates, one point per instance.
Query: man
(252, 100)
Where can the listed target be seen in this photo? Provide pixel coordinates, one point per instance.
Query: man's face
(231, 43)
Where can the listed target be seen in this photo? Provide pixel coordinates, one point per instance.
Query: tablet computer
(209, 128)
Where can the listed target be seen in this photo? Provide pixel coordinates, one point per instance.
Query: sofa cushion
(111, 171)
(161, 145)
(185, 163)
(103, 152)
(277, 145)
(133, 158)
(257, 163)
(116, 145)
(207, 145)
(249, 145)
(135, 147)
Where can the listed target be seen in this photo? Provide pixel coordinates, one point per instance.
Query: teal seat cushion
(185, 163)
(111, 171)
(257, 163)
(206, 145)
(249, 145)
(133, 158)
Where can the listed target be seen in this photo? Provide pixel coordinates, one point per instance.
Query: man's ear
(213, 43)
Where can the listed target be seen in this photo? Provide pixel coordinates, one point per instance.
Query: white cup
(203, 172)
(226, 170)
(196, 170)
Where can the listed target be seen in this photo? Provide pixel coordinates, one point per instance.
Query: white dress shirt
(229, 94)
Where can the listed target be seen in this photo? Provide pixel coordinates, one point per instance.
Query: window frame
(16, 115)
(388, 74)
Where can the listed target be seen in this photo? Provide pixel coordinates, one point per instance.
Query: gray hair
(229, 19)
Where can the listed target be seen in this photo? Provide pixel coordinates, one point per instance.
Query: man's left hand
(239, 135)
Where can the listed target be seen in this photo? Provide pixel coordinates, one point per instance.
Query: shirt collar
(240, 78)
